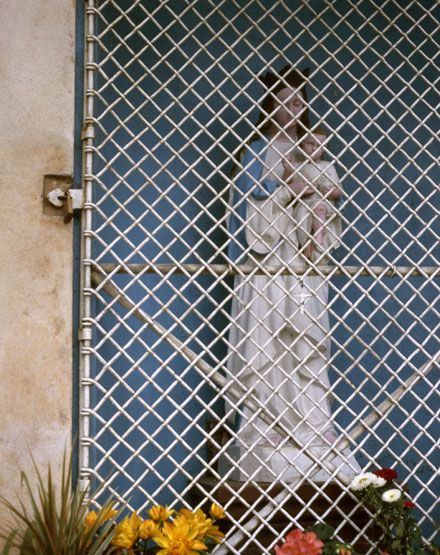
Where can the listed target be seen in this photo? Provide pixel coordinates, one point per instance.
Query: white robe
(279, 344)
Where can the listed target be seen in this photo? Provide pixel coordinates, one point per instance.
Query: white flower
(378, 481)
(391, 495)
(362, 481)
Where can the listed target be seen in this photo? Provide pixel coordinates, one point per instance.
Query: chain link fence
(177, 404)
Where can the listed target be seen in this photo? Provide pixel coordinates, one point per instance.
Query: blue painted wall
(381, 106)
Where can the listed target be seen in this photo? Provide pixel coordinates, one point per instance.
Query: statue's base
(310, 502)
(288, 464)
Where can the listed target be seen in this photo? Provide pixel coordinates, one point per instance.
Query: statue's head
(285, 101)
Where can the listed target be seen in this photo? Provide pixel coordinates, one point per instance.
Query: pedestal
(287, 464)
(319, 499)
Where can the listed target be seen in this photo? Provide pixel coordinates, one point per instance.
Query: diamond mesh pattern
(172, 95)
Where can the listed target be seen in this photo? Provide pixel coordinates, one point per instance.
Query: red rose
(387, 474)
(409, 504)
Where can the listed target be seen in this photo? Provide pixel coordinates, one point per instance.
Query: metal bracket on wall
(59, 199)
(74, 203)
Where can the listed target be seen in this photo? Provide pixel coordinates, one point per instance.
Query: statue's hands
(296, 184)
(300, 187)
(288, 170)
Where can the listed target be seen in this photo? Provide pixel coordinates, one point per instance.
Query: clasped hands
(300, 187)
(296, 184)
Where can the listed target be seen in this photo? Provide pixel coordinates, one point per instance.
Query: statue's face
(288, 107)
(313, 145)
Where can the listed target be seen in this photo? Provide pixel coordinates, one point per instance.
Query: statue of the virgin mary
(279, 344)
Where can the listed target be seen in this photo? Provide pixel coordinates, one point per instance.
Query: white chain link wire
(172, 96)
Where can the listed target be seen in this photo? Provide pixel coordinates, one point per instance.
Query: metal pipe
(225, 270)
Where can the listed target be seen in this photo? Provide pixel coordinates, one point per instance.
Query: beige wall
(36, 138)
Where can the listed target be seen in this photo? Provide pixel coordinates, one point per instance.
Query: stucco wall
(36, 138)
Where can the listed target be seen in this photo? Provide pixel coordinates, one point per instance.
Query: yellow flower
(177, 538)
(110, 513)
(127, 531)
(196, 521)
(201, 526)
(90, 519)
(158, 512)
(216, 512)
(148, 529)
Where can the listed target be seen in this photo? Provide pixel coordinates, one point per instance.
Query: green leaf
(400, 530)
(323, 531)
(9, 542)
(329, 549)
(417, 535)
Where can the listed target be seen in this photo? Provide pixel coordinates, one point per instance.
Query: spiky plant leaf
(9, 541)
(51, 520)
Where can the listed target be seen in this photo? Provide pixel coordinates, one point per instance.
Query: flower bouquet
(392, 512)
(166, 532)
